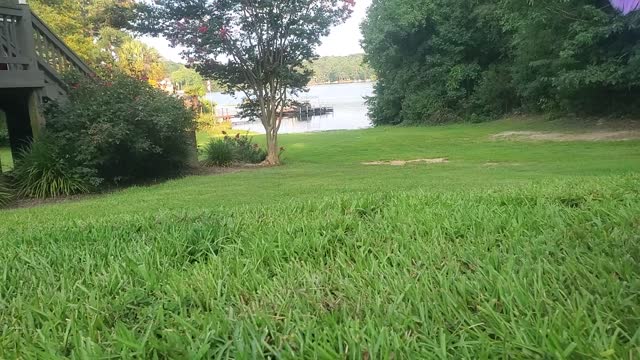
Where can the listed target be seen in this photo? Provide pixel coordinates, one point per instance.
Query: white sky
(343, 40)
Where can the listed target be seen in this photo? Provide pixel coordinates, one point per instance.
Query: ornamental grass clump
(43, 171)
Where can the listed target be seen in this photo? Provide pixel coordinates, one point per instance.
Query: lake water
(347, 100)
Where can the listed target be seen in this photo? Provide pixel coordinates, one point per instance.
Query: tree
(431, 57)
(444, 60)
(81, 23)
(189, 81)
(257, 47)
(140, 61)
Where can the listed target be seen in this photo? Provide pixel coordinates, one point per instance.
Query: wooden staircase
(32, 62)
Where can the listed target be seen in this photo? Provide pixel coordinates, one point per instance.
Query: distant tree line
(446, 60)
(330, 69)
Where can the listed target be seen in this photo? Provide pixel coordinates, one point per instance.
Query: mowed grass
(510, 250)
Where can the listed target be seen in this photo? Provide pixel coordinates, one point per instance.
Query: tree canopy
(189, 81)
(442, 60)
(80, 23)
(94, 30)
(257, 47)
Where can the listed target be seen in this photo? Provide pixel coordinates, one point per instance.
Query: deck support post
(192, 148)
(36, 117)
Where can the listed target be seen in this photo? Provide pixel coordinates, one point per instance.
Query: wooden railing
(11, 55)
(52, 52)
(31, 55)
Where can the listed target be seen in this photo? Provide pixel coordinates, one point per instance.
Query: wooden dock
(303, 111)
(306, 110)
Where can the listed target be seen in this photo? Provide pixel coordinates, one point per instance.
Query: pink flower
(203, 29)
(224, 33)
(350, 2)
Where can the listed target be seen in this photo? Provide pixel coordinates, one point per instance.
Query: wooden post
(193, 149)
(25, 35)
(35, 113)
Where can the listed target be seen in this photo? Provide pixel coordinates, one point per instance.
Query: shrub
(231, 149)
(218, 153)
(43, 171)
(207, 124)
(6, 192)
(244, 150)
(123, 129)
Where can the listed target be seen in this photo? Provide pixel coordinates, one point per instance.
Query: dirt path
(405, 162)
(622, 135)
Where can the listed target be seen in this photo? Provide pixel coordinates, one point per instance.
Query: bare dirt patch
(495, 163)
(621, 135)
(405, 162)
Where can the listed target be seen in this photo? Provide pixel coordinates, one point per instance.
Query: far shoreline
(343, 82)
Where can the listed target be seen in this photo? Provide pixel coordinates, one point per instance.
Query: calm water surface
(350, 111)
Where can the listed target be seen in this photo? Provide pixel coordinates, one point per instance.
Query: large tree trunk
(273, 151)
(271, 125)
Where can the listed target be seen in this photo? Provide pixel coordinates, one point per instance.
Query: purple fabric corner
(626, 6)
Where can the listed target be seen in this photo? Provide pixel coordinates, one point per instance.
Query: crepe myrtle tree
(256, 47)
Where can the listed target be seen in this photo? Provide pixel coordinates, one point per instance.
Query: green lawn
(513, 249)
(5, 159)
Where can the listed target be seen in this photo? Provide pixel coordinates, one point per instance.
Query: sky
(343, 40)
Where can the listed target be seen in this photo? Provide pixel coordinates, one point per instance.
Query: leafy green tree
(81, 22)
(576, 56)
(257, 47)
(172, 66)
(445, 60)
(138, 60)
(427, 58)
(189, 81)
